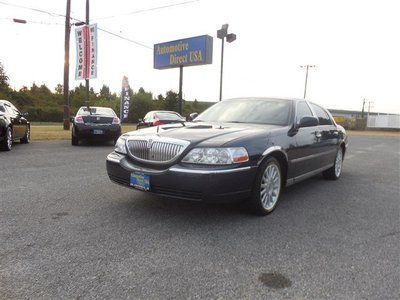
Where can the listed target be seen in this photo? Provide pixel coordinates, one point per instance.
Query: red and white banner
(86, 52)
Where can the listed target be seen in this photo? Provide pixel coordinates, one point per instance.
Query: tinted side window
(303, 110)
(322, 115)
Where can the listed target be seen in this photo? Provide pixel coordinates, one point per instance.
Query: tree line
(45, 105)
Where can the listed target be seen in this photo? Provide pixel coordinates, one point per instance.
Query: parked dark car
(160, 117)
(13, 126)
(248, 148)
(95, 123)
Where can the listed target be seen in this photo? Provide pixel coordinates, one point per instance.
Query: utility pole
(87, 58)
(362, 111)
(66, 115)
(369, 107)
(305, 85)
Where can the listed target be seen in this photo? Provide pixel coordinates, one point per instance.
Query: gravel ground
(67, 231)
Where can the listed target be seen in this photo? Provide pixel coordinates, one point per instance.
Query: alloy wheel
(270, 186)
(9, 138)
(338, 163)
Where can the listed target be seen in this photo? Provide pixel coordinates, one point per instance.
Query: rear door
(306, 155)
(15, 119)
(329, 135)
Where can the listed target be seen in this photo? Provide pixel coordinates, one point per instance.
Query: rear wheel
(267, 188)
(6, 144)
(27, 137)
(335, 172)
(74, 140)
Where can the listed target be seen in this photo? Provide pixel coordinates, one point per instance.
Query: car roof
(267, 98)
(164, 111)
(95, 107)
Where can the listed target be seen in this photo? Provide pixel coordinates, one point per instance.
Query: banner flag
(86, 52)
(125, 99)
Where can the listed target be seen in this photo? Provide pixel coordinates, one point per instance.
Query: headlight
(120, 146)
(216, 156)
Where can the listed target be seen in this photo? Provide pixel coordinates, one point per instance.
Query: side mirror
(308, 122)
(192, 116)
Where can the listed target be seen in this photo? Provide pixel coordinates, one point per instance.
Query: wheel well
(281, 158)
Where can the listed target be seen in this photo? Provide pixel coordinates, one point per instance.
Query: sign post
(192, 51)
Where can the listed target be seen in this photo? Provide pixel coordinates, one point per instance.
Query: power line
(33, 9)
(124, 38)
(75, 19)
(147, 9)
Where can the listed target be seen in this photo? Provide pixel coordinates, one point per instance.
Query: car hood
(215, 134)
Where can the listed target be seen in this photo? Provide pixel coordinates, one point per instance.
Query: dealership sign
(125, 99)
(186, 52)
(86, 52)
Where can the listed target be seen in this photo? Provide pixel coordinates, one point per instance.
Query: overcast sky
(354, 44)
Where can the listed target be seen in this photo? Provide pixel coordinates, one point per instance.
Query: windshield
(168, 116)
(257, 111)
(104, 111)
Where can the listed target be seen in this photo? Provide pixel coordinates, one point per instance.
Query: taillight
(157, 122)
(116, 120)
(79, 120)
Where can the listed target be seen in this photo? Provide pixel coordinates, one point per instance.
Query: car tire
(27, 136)
(267, 187)
(335, 172)
(74, 140)
(6, 144)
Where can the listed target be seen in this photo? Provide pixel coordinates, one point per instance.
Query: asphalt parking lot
(67, 231)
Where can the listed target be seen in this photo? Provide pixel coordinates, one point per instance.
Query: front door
(306, 156)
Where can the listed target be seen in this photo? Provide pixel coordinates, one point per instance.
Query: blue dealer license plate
(97, 131)
(140, 181)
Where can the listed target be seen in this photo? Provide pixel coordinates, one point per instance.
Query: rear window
(97, 111)
(168, 116)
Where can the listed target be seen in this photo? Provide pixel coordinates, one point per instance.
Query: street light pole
(222, 69)
(66, 114)
(223, 34)
(305, 85)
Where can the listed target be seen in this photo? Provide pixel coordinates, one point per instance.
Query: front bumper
(110, 131)
(200, 184)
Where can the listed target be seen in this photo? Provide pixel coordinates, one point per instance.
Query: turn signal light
(116, 120)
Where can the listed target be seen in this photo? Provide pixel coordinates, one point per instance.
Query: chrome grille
(155, 149)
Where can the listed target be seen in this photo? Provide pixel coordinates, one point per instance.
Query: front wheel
(74, 140)
(267, 187)
(335, 172)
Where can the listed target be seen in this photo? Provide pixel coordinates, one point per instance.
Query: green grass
(55, 131)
